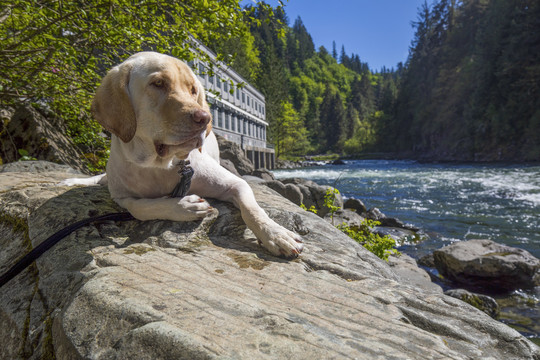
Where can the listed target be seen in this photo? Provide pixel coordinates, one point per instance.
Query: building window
(218, 82)
(201, 69)
(237, 94)
(243, 97)
(227, 121)
(225, 86)
(233, 123)
(248, 100)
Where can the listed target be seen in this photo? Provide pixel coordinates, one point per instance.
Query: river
(449, 202)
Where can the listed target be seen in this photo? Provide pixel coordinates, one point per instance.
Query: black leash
(181, 189)
(39, 250)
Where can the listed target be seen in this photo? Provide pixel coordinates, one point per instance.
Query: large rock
(43, 138)
(233, 152)
(488, 265)
(201, 290)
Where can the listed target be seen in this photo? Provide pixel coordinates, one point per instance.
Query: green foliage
(329, 201)
(289, 132)
(311, 208)
(25, 156)
(471, 87)
(382, 246)
(56, 52)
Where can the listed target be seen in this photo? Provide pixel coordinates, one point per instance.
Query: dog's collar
(186, 173)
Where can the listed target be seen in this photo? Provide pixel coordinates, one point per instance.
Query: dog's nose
(201, 117)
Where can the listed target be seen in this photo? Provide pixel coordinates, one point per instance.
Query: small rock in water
(482, 302)
(355, 204)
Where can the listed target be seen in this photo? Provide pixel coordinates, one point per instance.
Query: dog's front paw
(281, 242)
(192, 207)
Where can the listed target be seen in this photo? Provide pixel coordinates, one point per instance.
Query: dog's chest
(151, 183)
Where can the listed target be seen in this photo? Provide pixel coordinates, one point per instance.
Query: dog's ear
(112, 105)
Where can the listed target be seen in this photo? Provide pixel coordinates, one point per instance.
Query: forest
(468, 91)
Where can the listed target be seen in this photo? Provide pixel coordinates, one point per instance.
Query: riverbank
(337, 300)
(450, 202)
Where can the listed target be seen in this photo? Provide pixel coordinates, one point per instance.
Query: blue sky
(379, 31)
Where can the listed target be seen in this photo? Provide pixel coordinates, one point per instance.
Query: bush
(382, 246)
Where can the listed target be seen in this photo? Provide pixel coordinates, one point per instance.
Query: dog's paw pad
(282, 242)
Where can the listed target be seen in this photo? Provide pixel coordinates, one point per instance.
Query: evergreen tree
(332, 115)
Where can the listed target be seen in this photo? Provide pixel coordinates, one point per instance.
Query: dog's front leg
(271, 235)
(188, 208)
(213, 181)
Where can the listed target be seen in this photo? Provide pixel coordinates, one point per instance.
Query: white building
(239, 113)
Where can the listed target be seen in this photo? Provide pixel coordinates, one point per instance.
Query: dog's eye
(193, 90)
(160, 84)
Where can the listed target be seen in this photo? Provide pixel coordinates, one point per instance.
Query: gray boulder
(488, 265)
(306, 192)
(206, 290)
(377, 215)
(355, 204)
(482, 302)
(345, 216)
(42, 137)
(233, 152)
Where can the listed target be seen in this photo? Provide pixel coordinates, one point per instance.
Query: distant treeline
(468, 91)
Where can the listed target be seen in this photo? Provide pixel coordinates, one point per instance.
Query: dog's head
(156, 104)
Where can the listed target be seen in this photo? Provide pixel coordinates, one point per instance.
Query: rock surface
(205, 290)
(43, 138)
(488, 265)
(408, 272)
(232, 152)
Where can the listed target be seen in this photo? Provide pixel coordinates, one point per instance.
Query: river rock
(355, 204)
(263, 174)
(488, 265)
(287, 164)
(377, 215)
(206, 290)
(305, 192)
(401, 236)
(427, 260)
(482, 302)
(345, 216)
(42, 137)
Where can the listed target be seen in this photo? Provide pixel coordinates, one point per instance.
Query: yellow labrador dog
(156, 109)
